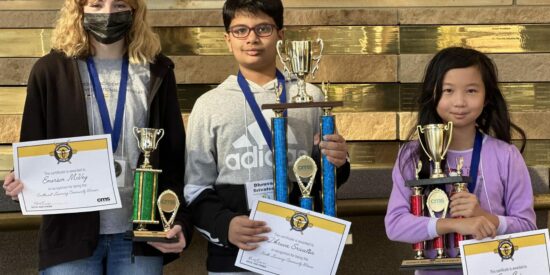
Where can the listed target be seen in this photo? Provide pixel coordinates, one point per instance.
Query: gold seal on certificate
(299, 222)
(506, 249)
(305, 169)
(63, 152)
(168, 202)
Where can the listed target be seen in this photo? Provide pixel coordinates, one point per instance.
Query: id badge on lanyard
(259, 189)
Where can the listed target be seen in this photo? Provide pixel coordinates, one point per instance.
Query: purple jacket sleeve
(518, 194)
(401, 225)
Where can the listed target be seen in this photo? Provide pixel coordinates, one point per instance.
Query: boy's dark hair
(272, 8)
(494, 119)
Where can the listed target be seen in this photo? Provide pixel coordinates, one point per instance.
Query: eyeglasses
(242, 31)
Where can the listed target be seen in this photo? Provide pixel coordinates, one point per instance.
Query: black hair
(272, 8)
(493, 120)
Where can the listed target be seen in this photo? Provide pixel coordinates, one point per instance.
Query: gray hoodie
(225, 144)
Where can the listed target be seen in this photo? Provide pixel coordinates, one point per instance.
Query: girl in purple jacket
(460, 85)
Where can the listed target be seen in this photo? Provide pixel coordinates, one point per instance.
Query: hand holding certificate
(300, 242)
(66, 175)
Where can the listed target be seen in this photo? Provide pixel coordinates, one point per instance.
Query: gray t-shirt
(135, 114)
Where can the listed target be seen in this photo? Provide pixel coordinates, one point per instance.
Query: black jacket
(55, 108)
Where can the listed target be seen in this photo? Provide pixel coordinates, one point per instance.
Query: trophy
(435, 140)
(305, 168)
(297, 58)
(145, 188)
(300, 56)
(459, 187)
(168, 202)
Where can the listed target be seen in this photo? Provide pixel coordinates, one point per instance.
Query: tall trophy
(145, 189)
(429, 194)
(298, 59)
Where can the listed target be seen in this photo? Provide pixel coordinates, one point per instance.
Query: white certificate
(300, 242)
(514, 254)
(67, 175)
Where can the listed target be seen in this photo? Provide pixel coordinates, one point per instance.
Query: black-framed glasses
(242, 31)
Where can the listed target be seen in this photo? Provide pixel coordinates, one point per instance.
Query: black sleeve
(212, 216)
(33, 125)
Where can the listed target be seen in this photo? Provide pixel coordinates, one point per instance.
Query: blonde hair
(70, 37)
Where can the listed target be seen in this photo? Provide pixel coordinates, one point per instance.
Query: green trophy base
(426, 264)
(151, 236)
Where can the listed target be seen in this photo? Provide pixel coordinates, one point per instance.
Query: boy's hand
(479, 227)
(334, 147)
(12, 186)
(243, 232)
(464, 204)
(171, 247)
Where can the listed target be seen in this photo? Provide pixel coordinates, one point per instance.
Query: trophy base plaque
(426, 264)
(151, 236)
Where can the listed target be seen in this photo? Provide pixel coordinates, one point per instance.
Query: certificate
(300, 242)
(66, 175)
(514, 254)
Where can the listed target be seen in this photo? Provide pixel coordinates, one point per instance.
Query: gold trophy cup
(438, 138)
(297, 58)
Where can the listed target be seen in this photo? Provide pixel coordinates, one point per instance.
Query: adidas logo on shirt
(249, 155)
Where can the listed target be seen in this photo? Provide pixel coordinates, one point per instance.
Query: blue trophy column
(280, 158)
(306, 203)
(328, 171)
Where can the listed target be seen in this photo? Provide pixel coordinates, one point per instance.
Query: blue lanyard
(474, 165)
(103, 111)
(254, 105)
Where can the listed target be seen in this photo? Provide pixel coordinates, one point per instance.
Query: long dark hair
(494, 119)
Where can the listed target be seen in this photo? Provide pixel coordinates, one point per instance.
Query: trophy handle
(285, 59)
(137, 131)
(421, 131)
(448, 127)
(161, 131)
(317, 58)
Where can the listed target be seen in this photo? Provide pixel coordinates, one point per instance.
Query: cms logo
(106, 199)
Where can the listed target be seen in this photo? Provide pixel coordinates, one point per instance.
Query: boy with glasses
(226, 148)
